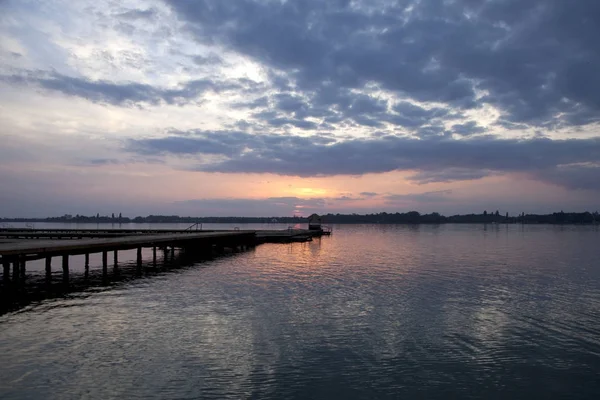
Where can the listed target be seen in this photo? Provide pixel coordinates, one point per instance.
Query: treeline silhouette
(412, 217)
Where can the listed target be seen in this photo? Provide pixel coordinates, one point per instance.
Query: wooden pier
(17, 253)
(18, 246)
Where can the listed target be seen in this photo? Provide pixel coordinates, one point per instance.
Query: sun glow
(311, 192)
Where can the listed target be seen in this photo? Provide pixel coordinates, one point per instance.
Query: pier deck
(53, 247)
(17, 253)
(19, 246)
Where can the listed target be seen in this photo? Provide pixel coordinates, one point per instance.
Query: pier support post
(22, 269)
(139, 258)
(6, 272)
(65, 267)
(104, 264)
(15, 274)
(87, 265)
(116, 262)
(48, 269)
(154, 256)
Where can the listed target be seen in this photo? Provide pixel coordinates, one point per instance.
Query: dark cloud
(451, 174)
(210, 60)
(124, 94)
(432, 159)
(102, 161)
(535, 60)
(290, 103)
(345, 198)
(253, 104)
(577, 176)
(230, 144)
(432, 131)
(99, 162)
(427, 197)
(413, 116)
(298, 123)
(341, 106)
(468, 128)
(368, 194)
(147, 14)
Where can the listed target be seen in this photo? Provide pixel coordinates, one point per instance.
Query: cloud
(341, 106)
(451, 174)
(102, 161)
(576, 176)
(305, 88)
(127, 93)
(133, 15)
(534, 60)
(298, 123)
(210, 60)
(468, 129)
(426, 197)
(433, 159)
(368, 194)
(260, 102)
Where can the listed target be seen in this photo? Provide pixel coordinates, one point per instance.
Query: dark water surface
(437, 312)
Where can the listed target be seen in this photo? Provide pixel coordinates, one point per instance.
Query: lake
(372, 312)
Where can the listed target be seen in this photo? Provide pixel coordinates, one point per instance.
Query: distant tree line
(412, 217)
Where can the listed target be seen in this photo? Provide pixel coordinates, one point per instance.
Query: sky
(283, 107)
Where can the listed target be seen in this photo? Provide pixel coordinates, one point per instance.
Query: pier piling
(6, 272)
(22, 269)
(116, 263)
(15, 273)
(65, 267)
(104, 264)
(87, 265)
(48, 269)
(139, 257)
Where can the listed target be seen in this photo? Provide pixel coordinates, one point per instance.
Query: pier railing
(196, 225)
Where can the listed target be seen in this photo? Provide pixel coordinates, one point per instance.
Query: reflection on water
(466, 311)
(37, 285)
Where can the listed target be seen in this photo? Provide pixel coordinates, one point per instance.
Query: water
(451, 311)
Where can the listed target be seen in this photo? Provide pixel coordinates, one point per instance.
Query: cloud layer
(534, 60)
(440, 94)
(569, 162)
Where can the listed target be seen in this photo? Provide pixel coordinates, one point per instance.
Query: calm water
(454, 311)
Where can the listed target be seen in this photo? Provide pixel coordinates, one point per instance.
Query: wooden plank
(97, 245)
(95, 231)
(62, 235)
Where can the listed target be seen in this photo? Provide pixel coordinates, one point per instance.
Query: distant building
(314, 222)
